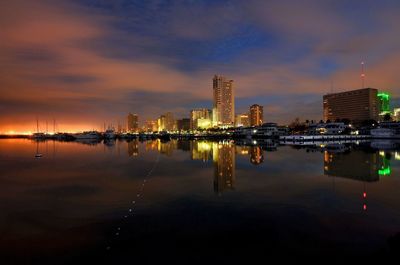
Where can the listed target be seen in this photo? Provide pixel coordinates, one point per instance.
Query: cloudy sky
(89, 62)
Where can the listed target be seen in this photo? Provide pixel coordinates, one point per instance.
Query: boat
(38, 135)
(387, 130)
(164, 136)
(90, 135)
(110, 134)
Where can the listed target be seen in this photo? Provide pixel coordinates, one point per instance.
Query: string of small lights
(131, 210)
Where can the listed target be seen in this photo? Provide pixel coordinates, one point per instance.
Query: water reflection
(201, 150)
(343, 165)
(263, 185)
(224, 166)
(256, 155)
(133, 148)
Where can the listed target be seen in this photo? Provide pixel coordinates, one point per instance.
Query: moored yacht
(110, 134)
(387, 130)
(87, 135)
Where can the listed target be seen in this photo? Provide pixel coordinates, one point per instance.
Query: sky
(86, 63)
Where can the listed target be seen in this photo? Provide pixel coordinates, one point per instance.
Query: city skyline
(85, 64)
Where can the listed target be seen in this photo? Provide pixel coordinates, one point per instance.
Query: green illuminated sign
(385, 105)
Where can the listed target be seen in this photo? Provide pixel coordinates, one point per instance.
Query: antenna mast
(362, 75)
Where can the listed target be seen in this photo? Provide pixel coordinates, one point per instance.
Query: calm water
(196, 202)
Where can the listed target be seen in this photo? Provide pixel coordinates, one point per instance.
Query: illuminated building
(256, 155)
(183, 124)
(161, 123)
(197, 114)
(133, 148)
(166, 122)
(355, 105)
(170, 124)
(396, 114)
(242, 120)
(151, 126)
(133, 122)
(224, 166)
(369, 165)
(256, 115)
(204, 123)
(224, 101)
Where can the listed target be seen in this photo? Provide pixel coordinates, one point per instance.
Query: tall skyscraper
(224, 101)
(133, 122)
(356, 105)
(167, 122)
(151, 126)
(256, 115)
(197, 114)
(161, 123)
(170, 123)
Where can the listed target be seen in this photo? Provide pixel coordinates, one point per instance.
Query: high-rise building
(197, 114)
(151, 126)
(170, 123)
(396, 114)
(224, 101)
(256, 115)
(242, 120)
(133, 122)
(356, 105)
(161, 124)
(166, 122)
(183, 124)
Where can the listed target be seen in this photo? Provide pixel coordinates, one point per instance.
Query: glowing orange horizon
(31, 129)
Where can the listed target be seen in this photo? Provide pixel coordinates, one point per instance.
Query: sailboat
(37, 134)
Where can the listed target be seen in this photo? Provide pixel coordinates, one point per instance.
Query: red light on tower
(364, 194)
(362, 75)
(364, 207)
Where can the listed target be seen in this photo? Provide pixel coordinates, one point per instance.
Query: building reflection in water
(167, 147)
(133, 148)
(256, 155)
(201, 150)
(224, 166)
(151, 145)
(357, 165)
(385, 169)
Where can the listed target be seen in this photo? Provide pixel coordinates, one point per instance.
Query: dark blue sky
(89, 62)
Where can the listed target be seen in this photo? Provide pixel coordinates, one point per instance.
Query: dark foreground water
(197, 202)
